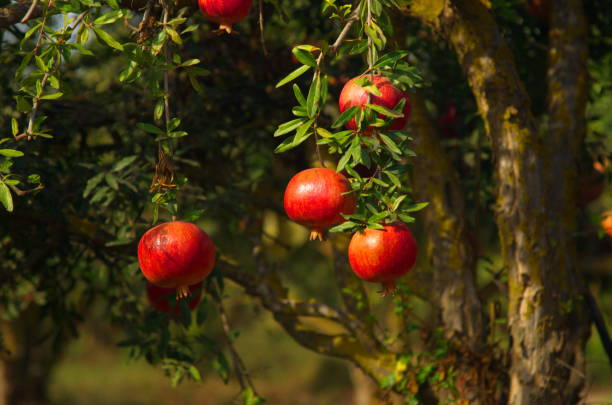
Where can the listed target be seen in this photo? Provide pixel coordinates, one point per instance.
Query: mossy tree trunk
(535, 189)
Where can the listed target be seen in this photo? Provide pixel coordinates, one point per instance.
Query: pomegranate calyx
(388, 289)
(183, 292)
(225, 29)
(317, 234)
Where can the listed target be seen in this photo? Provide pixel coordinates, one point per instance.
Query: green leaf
(195, 373)
(52, 96)
(394, 179)
(298, 95)
(6, 198)
(343, 161)
(324, 133)
(190, 62)
(390, 144)
(389, 59)
(152, 129)
(176, 38)
(288, 126)
(111, 181)
(14, 126)
(385, 111)
(11, 153)
(123, 163)
(159, 109)
(249, 397)
(345, 117)
(305, 57)
(314, 95)
(415, 207)
(109, 18)
(107, 39)
(300, 136)
(344, 227)
(92, 183)
(293, 75)
(405, 218)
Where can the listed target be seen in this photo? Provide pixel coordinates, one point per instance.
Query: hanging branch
(244, 379)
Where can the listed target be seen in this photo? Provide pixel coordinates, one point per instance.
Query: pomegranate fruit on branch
(176, 255)
(316, 198)
(160, 298)
(383, 255)
(387, 96)
(225, 12)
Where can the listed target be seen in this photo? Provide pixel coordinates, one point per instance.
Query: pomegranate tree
(382, 256)
(225, 12)
(160, 298)
(176, 255)
(353, 94)
(316, 198)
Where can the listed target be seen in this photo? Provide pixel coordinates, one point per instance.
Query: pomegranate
(225, 12)
(381, 256)
(176, 255)
(539, 9)
(606, 222)
(448, 122)
(316, 197)
(159, 297)
(354, 95)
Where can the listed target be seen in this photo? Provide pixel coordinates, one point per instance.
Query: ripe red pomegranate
(176, 255)
(316, 197)
(159, 297)
(381, 256)
(352, 94)
(225, 12)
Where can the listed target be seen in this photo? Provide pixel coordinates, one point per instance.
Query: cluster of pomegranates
(318, 198)
(225, 12)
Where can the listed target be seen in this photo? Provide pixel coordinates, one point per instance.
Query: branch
(345, 31)
(15, 13)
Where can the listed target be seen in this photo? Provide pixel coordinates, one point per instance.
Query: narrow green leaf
(415, 207)
(293, 75)
(52, 96)
(287, 127)
(174, 36)
(314, 95)
(14, 126)
(111, 181)
(11, 153)
(107, 39)
(345, 117)
(152, 129)
(385, 111)
(304, 57)
(195, 373)
(390, 144)
(6, 198)
(298, 95)
(343, 227)
(123, 163)
(109, 18)
(343, 161)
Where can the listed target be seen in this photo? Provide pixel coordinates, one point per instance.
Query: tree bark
(547, 318)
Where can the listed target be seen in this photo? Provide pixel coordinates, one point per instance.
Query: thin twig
(345, 31)
(600, 324)
(244, 379)
(21, 193)
(30, 12)
(261, 29)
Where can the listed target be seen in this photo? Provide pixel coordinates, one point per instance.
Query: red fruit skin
(176, 254)
(225, 12)
(381, 256)
(448, 122)
(159, 298)
(352, 94)
(314, 198)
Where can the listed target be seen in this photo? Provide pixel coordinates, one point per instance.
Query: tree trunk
(32, 356)
(535, 214)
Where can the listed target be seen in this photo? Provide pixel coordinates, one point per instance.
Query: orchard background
(116, 115)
